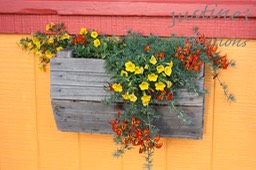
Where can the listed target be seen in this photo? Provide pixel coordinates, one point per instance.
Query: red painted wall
(120, 16)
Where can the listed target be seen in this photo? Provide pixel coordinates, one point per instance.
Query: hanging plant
(149, 71)
(46, 45)
(144, 71)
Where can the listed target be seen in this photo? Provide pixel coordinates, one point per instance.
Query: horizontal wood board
(77, 89)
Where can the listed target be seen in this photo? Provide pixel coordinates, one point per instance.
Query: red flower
(169, 96)
(140, 150)
(162, 55)
(159, 97)
(198, 67)
(138, 121)
(113, 122)
(156, 55)
(159, 145)
(118, 111)
(147, 48)
(111, 88)
(146, 131)
(179, 49)
(157, 138)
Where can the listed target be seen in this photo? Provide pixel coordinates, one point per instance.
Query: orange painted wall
(29, 139)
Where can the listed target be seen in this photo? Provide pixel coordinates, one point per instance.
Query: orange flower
(159, 97)
(140, 150)
(199, 65)
(118, 111)
(162, 55)
(169, 96)
(124, 126)
(157, 138)
(190, 58)
(198, 52)
(187, 47)
(113, 122)
(151, 145)
(156, 55)
(138, 121)
(147, 48)
(159, 145)
(111, 88)
(126, 141)
(179, 49)
(133, 120)
(146, 131)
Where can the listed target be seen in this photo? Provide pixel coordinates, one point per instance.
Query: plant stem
(230, 97)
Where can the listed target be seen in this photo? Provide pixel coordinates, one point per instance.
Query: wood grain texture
(116, 25)
(77, 89)
(91, 117)
(123, 8)
(96, 152)
(84, 79)
(58, 150)
(234, 144)
(18, 127)
(228, 140)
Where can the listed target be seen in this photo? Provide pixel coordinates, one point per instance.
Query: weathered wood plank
(84, 79)
(93, 117)
(96, 92)
(77, 88)
(77, 64)
(78, 78)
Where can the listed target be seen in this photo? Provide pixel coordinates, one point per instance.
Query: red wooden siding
(119, 17)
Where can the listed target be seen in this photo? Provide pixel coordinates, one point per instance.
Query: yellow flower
(169, 84)
(145, 99)
(35, 50)
(37, 43)
(152, 77)
(94, 34)
(160, 86)
(138, 70)
(41, 68)
(117, 87)
(132, 97)
(59, 48)
(47, 27)
(48, 54)
(144, 85)
(65, 36)
(126, 96)
(39, 54)
(83, 31)
(153, 60)
(146, 67)
(50, 40)
(160, 68)
(124, 73)
(168, 70)
(96, 43)
(30, 45)
(129, 66)
(171, 64)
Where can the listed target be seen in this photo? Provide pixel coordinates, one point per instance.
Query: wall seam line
(79, 151)
(36, 115)
(213, 121)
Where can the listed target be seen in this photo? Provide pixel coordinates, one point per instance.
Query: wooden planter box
(77, 92)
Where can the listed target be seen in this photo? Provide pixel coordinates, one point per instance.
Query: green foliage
(46, 45)
(145, 71)
(89, 44)
(130, 63)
